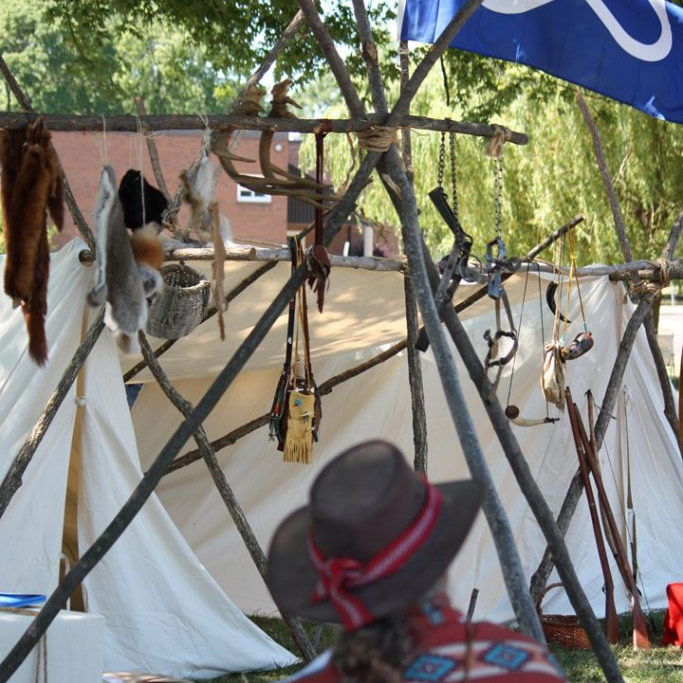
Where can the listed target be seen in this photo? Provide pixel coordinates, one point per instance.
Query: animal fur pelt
(118, 279)
(31, 187)
(199, 192)
(131, 195)
(148, 253)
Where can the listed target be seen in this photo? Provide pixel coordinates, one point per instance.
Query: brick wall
(82, 155)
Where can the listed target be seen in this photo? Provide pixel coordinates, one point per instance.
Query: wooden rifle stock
(641, 639)
(611, 622)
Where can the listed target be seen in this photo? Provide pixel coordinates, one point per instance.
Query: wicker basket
(181, 304)
(565, 630)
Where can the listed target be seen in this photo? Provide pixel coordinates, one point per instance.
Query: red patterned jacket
(445, 645)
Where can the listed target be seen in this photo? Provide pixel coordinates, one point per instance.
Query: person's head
(374, 538)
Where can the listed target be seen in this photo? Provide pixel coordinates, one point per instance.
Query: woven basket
(181, 304)
(564, 630)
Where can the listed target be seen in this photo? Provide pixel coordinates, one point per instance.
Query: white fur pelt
(118, 278)
(200, 189)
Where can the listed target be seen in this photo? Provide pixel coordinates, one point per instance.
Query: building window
(244, 194)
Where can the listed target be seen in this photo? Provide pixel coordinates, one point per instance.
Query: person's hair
(376, 653)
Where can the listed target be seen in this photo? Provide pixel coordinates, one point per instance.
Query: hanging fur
(31, 187)
(199, 192)
(131, 193)
(148, 253)
(118, 280)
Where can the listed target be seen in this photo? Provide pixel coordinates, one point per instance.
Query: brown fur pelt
(148, 253)
(147, 247)
(31, 187)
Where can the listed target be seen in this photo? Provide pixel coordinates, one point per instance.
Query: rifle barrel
(641, 639)
(611, 621)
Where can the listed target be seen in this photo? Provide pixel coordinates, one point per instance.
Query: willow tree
(546, 182)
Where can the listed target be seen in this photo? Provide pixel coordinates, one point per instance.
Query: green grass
(657, 665)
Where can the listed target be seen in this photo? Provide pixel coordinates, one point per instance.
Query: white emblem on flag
(648, 52)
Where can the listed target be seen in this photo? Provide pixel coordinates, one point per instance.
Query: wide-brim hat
(360, 503)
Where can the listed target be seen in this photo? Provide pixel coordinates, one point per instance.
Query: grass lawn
(657, 665)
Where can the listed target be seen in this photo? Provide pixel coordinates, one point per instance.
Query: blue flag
(629, 50)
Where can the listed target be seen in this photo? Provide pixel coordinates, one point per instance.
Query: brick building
(254, 218)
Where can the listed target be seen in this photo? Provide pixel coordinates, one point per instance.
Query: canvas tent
(364, 314)
(164, 612)
(167, 612)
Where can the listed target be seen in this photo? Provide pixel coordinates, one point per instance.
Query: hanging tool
(495, 264)
(550, 300)
(512, 412)
(455, 266)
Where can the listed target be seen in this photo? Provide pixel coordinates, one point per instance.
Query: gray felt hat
(360, 503)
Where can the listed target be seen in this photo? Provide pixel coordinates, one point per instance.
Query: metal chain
(498, 193)
(442, 159)
(454, 196)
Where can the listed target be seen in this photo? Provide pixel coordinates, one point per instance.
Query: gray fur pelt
(118, 278)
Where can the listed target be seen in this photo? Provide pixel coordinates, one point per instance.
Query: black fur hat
(130, 195)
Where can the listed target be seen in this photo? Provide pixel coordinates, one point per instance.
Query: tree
(235, 33)
(64, 71)
(546, 182)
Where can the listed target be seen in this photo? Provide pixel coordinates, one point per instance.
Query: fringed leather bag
(296, 410)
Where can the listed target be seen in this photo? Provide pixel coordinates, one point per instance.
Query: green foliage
(77, 56)
(66, 69)
(236, 34)
(547, 182)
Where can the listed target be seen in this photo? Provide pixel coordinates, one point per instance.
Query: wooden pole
(128, 124)
(225, 491)
(13, 479)
(495, 514)
(153, 151)
(602, 648)
(417, 399)
(642, 314)
(650, 330)
(644, 269)
(493, 509)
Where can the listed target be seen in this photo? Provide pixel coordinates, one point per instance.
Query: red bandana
(339, 575)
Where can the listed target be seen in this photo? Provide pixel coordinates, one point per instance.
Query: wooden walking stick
(641, 639)
(611, 623)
